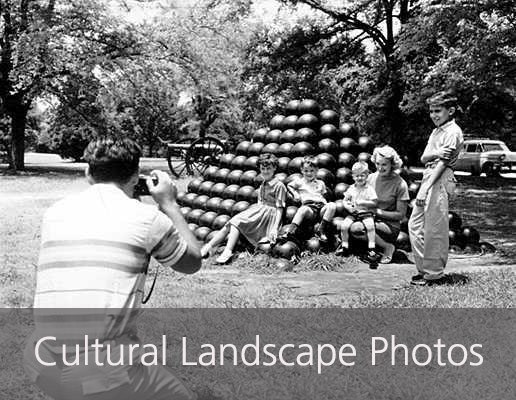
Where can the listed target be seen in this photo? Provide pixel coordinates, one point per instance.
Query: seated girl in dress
(260, 222)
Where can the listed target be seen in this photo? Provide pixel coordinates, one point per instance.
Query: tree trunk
(17, 153)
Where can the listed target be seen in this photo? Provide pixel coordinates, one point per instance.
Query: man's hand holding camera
(161, 187)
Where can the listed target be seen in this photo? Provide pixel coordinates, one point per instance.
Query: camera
(141, 188)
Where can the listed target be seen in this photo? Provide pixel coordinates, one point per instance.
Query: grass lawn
(251, 281)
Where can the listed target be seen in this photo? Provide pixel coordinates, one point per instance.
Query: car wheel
(490, 170)
(475, 172)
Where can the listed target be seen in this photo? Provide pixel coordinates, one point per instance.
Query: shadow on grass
(455, 279)
(41, 172)
(400, 257)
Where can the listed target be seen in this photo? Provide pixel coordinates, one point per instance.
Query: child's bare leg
(233, 235)
(327, 213)
(344, 231)
(214, 242)
(301, 214)
(370, 231)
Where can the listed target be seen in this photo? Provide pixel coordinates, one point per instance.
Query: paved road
(38, 161)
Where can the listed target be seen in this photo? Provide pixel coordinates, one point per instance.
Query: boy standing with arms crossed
(428, 224)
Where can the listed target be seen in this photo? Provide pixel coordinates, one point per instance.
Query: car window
(492, 147)
(471, 148)
(479, 148)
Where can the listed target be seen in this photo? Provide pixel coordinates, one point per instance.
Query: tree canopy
(216, 67)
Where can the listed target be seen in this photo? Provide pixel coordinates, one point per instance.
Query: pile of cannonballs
(305, 129)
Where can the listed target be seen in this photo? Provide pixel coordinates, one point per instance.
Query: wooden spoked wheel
(202, 153)
(176, 156)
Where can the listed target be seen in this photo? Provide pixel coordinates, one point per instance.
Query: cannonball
(329, 131)
(285, 150)
(328, 146)
(290, 122)
(326, 160)
(308, 106)
(292, 107)
(308, 121)
(205, 187)
(260, 135)
(220, 222)
(207, 218)
(225, 159)
(288, 136)
(329, 117)
(348, 130)
(230, 192)
(239, 207)
(217, 190)
(239, 161)
(273, 136)
(200, 202)
(305, 135)
(276, 122)
(243, 148)
(193, 185)
(348, 145)
(234, 177)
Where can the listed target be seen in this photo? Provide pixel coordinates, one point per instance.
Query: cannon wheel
(202, 153)
(176, 157)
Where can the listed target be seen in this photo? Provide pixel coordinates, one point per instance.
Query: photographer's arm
(164, 193)
(190, 262)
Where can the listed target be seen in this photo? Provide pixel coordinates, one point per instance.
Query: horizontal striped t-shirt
(95, 251)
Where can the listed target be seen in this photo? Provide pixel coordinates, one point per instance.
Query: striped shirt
(95, 251)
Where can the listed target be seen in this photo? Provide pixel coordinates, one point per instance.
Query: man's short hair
(309, 161)
(112, 160)
(360, 167)
(444, 99)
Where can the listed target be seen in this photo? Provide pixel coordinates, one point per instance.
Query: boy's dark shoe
(289, 233)
(321, 236)
(322, 232)
(373, 258)
(418, 280)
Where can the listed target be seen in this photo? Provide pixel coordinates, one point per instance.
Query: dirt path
(358, 280)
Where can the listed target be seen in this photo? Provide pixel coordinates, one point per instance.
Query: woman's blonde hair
(390, 154)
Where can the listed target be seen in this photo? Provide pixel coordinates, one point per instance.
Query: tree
(298, 61)
(413, 48)
(469, 47)
(379, 22)
(203, 46)
(42, 43)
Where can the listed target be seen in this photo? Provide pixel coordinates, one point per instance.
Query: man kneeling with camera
(95, 250)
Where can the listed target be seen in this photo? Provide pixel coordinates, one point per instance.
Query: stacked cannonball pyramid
(231, 186)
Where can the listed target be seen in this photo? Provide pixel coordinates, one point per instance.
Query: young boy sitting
(310, 192)
(360, 200)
